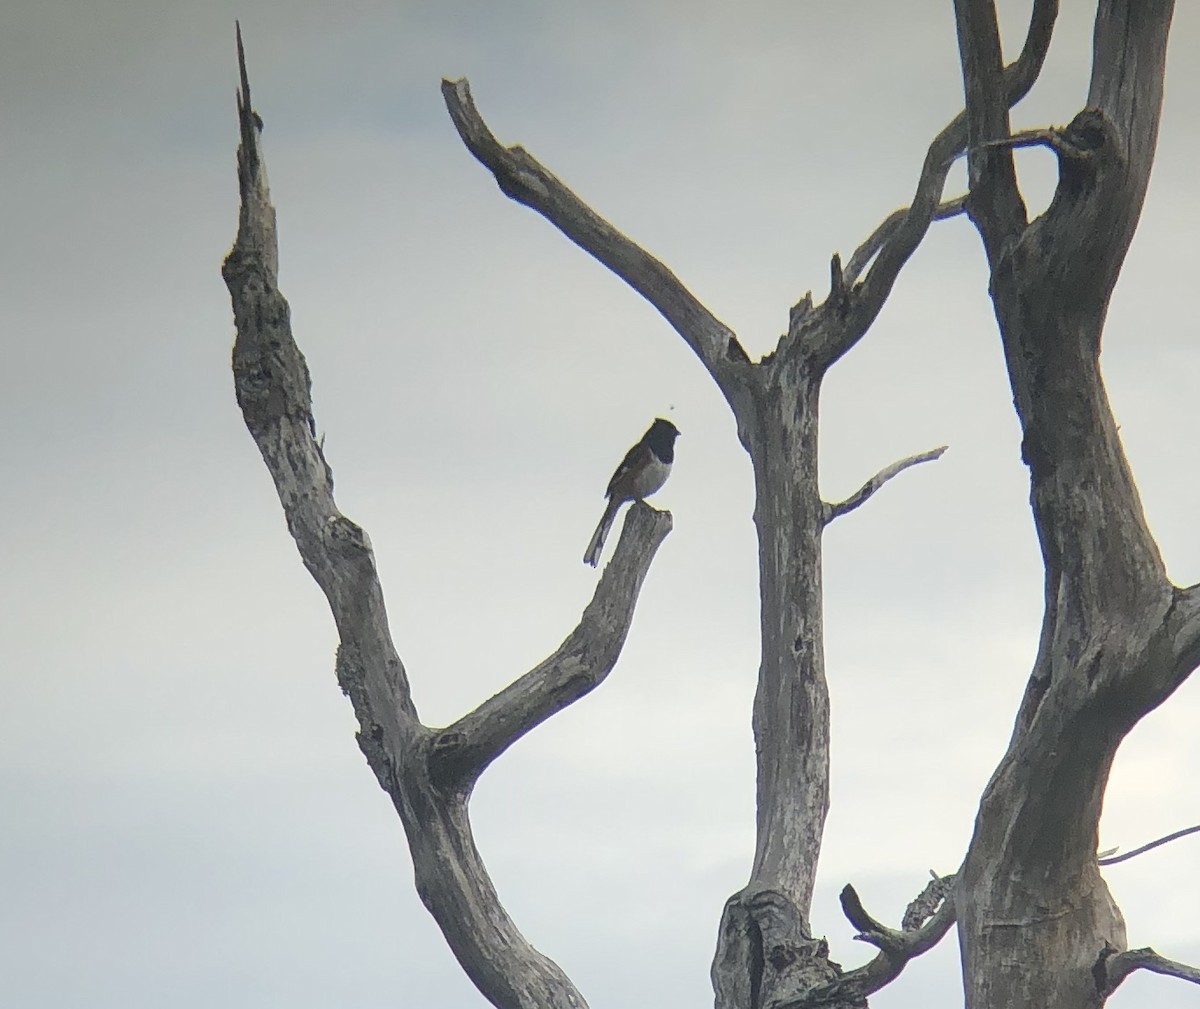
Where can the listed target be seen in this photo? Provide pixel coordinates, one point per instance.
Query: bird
(644, 470)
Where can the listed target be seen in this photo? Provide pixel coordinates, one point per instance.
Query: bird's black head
(661, 437)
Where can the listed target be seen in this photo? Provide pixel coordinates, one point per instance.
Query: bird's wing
(636, 458)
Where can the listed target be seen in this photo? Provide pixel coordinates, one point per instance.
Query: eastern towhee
(643, 471)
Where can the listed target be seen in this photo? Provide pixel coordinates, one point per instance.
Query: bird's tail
(592, 555)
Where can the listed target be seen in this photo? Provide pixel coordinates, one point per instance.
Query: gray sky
(187, 816)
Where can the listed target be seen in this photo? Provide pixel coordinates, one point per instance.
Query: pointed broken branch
(274, 392)
(864, 492)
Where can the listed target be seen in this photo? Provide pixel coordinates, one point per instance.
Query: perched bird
(643, 470)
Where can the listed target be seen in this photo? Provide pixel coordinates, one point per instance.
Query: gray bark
(1037, 926)
(766, 955)
(428, 773)
(1117, 637)
(1114, 967)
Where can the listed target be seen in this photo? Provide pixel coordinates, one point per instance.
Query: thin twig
(882, 234)
(1148, 847)
(864, 492)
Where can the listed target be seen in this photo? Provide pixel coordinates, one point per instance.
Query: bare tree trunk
(428, 773)
(766, 955)
(766, 951)
(1117, 638)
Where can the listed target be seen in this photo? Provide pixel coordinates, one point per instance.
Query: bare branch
(522, 178)
(884, 233)
(1131, 32)
(869, 930)
(1182, 629)
(905, 235)
(838, 288)
(896, 947)
(864, 492)
(273, 390)
(1113, 860)
(1026, 138)
(462, 751)
(1112, 967)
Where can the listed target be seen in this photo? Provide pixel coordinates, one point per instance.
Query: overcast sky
(187, 819)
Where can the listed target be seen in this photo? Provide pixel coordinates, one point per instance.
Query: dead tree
(1036, 924)
(1117, 637)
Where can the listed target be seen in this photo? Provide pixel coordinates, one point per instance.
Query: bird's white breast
(651, 478)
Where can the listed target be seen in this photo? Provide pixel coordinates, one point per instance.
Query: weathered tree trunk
(766, 953)
(1038, 928)
(428, 773)
(1035, 915)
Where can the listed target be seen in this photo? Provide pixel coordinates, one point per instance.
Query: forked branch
(1114, 859)
(894, 241)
